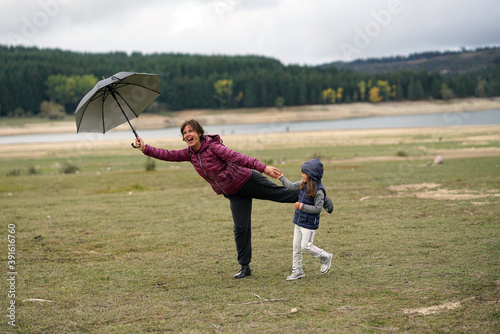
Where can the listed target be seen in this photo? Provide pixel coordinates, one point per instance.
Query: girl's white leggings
(303, 241)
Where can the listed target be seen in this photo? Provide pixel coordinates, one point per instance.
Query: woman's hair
(312, 186)
(196, 127)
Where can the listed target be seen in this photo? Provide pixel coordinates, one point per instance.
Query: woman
(232, 174)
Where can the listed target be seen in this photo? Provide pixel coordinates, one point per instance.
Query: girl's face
(305, 178)
(191, 137)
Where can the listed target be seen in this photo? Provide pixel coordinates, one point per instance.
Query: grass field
(113, 248)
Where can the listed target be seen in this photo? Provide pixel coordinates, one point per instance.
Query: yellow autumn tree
(362, 90)
(374, 95)
(393, 92)
(385, 89)
(446, 92)
(329, 95)
(223, 91)
(481, 89)
(239, 97)
(340, 92)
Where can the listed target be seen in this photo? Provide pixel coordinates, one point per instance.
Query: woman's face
(191, 137)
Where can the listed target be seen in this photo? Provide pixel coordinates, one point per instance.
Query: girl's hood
(314, 169)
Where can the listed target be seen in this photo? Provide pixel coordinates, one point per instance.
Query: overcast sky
(293, 31)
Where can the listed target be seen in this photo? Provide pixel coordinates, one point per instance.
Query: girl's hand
(298, 205)
(139, 144)
(272, 172)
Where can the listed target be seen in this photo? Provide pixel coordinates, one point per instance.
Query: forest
(51, 82)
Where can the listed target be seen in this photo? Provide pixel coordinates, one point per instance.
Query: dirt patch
(433, 309)
(446, 194)
(413, 187)
(433, 191)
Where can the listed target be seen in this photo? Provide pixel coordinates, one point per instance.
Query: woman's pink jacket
(224, 169)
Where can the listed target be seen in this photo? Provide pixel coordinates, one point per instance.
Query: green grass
(121, 250)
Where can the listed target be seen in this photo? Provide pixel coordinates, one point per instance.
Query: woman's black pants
(259, 187)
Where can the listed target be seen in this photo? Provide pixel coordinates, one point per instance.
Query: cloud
(293, 31)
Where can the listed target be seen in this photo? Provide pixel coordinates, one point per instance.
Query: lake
(486, 117)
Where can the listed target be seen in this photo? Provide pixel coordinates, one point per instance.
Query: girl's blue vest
(304, 219)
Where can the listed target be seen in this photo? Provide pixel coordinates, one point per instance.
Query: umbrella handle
(135, 134)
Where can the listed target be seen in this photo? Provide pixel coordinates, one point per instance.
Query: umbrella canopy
(116, 100)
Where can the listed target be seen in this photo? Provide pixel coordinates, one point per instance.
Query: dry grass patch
(433, 191)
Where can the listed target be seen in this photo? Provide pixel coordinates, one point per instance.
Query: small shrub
(316, 155)
(401, 153)
(34, 170)
(280, 102)
(137, 187)
(69, 168)
(14, 172)
(52, 110)
(150, 165)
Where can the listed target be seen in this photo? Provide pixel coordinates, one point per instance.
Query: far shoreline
(274, 115)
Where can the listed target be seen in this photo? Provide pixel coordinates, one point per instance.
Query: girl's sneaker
(326, 263)
(296, 275)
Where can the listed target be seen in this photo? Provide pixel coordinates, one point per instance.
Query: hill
(449, 62)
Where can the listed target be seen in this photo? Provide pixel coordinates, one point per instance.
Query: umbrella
(116, 100)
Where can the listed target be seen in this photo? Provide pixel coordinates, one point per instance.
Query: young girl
(307, 209)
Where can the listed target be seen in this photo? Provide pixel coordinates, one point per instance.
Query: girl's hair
(196, 127)
(312, 186)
